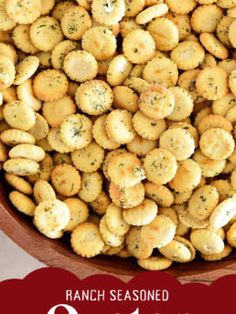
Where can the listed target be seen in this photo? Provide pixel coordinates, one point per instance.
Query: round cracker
(94, 97)
(118, 126)
(125, 170)
(66, 180)
(165, 33)
(26, 69)
(138, 46)
(74, 23)
(217, 144)
(100, 42)
(80, 66)
(86, 240)
(159, 232)
(188, 55)
(18, 115)
(22, 203)
(160, 166)
(76, 131)
(50, 85)
(108, 12)
(179, 142)
(157, 102)
(45, 33)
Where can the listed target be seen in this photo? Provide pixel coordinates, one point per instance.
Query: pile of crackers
(117, 124)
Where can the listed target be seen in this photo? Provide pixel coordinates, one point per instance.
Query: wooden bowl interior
(58, 253)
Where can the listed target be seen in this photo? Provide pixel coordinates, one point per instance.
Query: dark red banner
(56, 291)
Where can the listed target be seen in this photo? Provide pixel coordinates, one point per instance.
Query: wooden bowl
(57, 253)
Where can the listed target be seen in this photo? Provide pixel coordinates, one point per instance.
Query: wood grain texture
(57, 253)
